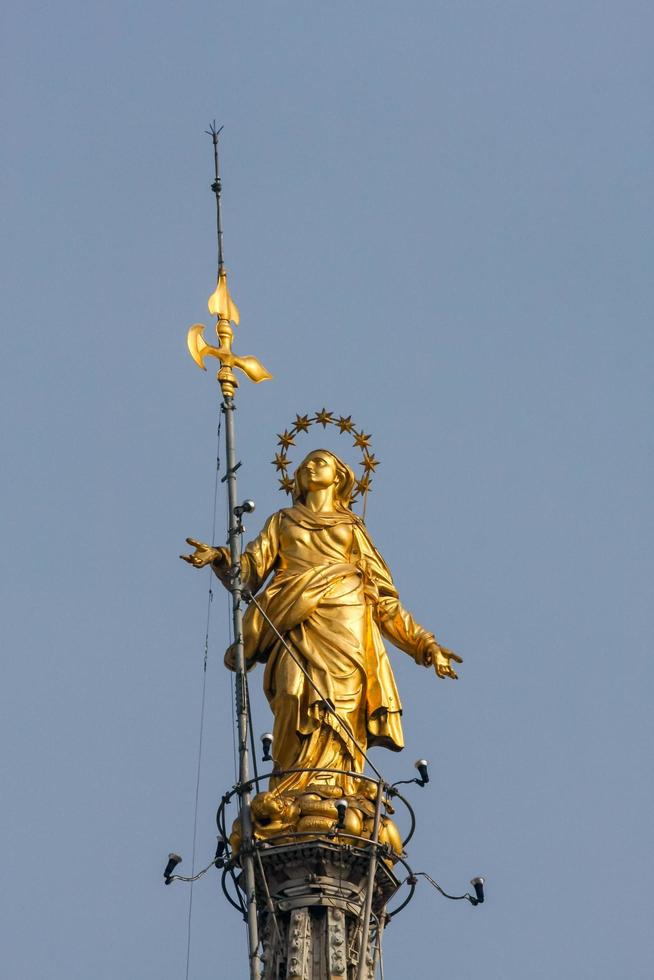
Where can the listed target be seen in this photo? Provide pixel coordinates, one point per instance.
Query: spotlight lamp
(219, 857)
(266, 741)
(478, 885)
(341, 808)
(421, 766)
(173, 861)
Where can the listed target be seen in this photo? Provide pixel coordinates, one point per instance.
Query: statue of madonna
(331, 597)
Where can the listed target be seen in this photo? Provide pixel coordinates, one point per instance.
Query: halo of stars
(346, 426)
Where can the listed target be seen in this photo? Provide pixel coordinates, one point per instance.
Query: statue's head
(322, 469)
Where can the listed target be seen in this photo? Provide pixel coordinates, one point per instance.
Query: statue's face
(317, 471)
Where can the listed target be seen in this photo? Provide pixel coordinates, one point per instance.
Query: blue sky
(438, 218)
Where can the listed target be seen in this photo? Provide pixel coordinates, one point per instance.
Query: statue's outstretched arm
(395, 622)
(257, 560)
(205, 554)
(399, 626)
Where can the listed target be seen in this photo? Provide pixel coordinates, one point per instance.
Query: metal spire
(224, 308)
(216, 187)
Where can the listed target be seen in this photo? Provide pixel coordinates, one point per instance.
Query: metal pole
(235, 532)
(372, 871)
(216, 187)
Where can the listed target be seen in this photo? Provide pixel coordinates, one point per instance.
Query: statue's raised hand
(203, 555)
(440, 657)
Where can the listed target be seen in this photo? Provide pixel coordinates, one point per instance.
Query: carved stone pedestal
(312, 895)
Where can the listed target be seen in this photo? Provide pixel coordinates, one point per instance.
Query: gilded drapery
(332, 598)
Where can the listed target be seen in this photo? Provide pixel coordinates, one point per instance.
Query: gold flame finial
(221, 303)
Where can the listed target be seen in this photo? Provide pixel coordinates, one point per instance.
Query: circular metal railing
(228, 861)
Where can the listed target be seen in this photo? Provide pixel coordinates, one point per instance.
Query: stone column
(311, 896)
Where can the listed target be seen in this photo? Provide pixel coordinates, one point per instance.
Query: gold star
(280, 462)
(345, 424)
(364, 484)
(324, 417)
(285, 439)
(286, 484)
(361, 439)
(302, 423)
(370, 462)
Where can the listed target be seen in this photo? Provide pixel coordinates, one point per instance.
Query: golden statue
(331, 598)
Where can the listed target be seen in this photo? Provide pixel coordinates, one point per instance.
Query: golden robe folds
(331, 598)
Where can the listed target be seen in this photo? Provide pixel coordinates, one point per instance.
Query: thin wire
(249, 707)
(269, 901)
(378, 958)
(253, 747)
(232, 698)
(193, 877)
(202, 708)
(455, 898)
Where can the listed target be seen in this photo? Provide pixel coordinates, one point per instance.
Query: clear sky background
(438, 218)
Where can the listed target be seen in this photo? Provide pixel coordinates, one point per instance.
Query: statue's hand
(203, 555)
(440, 657)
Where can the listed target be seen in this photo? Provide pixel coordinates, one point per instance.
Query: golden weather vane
(222, 306)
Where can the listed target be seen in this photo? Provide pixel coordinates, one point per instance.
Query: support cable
(269, 902)
(365, 926)
(202, 709)
(232, 699)
(246, 687)
(248, 883)
(191, 878)
(378, 956)
(370, 887)
(455, 898)
(250, 726)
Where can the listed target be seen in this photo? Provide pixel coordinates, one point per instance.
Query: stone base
(317, 891)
